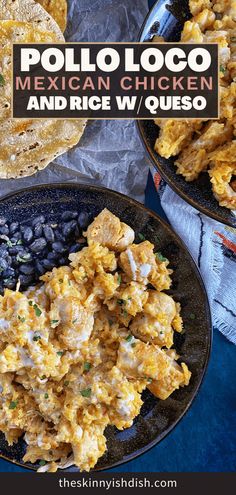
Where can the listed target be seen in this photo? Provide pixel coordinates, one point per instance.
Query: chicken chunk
(155, 324)
(73, 321)
(222, 173)
(205, 19)
(128, 300)
(195, 158)
(109, 231)
(196, 7)
(90, 448)
(174, 136)
(178, 376)
(140, 360)
(94, 258)
(127, 402)
(140, 264)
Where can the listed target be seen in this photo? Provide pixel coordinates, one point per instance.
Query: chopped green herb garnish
(66, 383)
(129, 338)
(46, 396)
(125, 313)
(19, 242)
(110, 322)
(74, 321)
(21, 318)
(43, 377)
(37, 310)
(192, 316)
(36, 338)
(87, 366)
(119, 279)
(222, 69)
(23, 259)
(9, 243)
(121, 301)
(60, 353)
(2, 80)
(160, 257)
(13, 404)
(86, 392)
(53, 322)
(133, 344)
(149, 380)
(42, 462)
(141, 237)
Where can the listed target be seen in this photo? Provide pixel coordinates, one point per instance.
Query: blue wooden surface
(205, 439)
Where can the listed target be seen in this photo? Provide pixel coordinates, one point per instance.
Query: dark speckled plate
(166, 18)
(157, 418)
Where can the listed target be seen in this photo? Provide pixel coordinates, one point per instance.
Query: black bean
(62, 261)
(48, 265)
(26, 269)
(4, 230)
(26, 280)
(14, 226)
(38, 245)
(58, 247)
(12, 250)
(43, 254)
(38, 230)
(8, 260)
(3, 251)
(10, 283)
(68, 215)
(16, 249)
(3, 264)
(78, 232)
(39, 267)
(48, 233)
(15, 262)
(43, 245)
(69, 227)
(16, 237)
(28, 235)
(52, 256)
(38, 220)
(23, 253)
(84, 219)
(3, 220)
(8, 273)
(74, 248)
(59, 236)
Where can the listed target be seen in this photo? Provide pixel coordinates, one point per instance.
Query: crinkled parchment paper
(110, 153)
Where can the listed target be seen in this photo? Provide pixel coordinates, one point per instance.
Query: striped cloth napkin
(213, 246)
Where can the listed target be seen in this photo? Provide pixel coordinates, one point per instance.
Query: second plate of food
(104, 355)
(204, 154)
